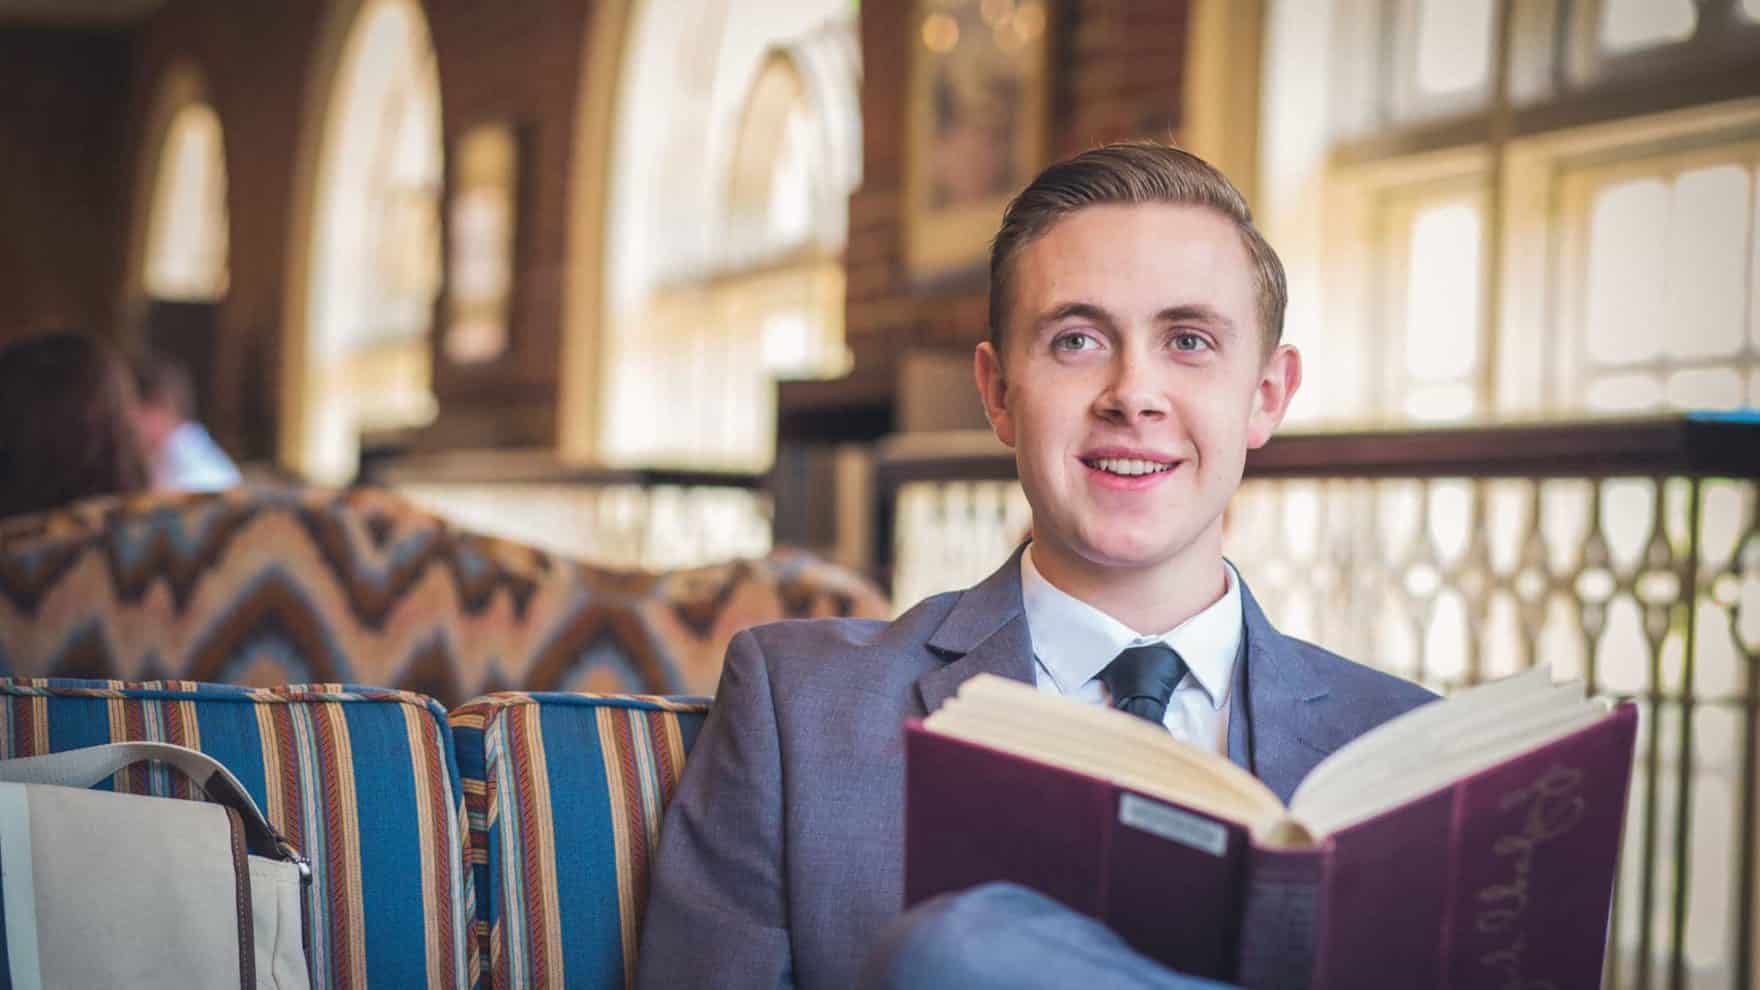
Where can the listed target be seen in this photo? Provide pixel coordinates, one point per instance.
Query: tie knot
(1142, 680)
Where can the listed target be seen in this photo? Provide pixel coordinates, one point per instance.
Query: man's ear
(993, 389)
(1279, 378)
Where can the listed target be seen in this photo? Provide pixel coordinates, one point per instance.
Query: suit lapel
(1278, 725)
(1282, 731)
(1240, 728)
(985, 633)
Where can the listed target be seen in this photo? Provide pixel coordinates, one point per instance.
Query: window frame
(1575, 370)
(1667, 100)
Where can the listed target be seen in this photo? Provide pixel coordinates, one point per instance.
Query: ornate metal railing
(1625, 553)
(647, 519)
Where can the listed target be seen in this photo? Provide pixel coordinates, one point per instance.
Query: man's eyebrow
(1075, 310)
(1201, 313)
(1196, 313)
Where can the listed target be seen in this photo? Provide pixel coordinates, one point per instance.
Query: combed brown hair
(162, 380)
(1130, 173)
(67, 425)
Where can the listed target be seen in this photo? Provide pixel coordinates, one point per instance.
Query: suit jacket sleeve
(717, 914)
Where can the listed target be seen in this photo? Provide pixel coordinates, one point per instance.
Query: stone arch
(581, 381)
(355, 353)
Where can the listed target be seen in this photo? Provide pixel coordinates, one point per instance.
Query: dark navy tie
(1142, 679)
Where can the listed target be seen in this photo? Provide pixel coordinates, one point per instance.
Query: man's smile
(1128, 468)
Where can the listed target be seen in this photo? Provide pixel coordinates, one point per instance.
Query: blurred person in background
(67, 424)
(180, 453)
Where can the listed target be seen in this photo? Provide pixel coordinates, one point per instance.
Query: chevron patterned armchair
(270, 586)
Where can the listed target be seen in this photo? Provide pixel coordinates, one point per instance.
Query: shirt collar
(1074, 641)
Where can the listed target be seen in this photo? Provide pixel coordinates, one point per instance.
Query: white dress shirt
(193, 462)
(1073, 641)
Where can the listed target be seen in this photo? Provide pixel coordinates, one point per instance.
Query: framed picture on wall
(480, 263)
(977, 127)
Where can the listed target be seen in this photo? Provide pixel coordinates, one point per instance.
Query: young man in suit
(1134, 358)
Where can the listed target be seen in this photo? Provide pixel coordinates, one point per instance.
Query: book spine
(1282, 917)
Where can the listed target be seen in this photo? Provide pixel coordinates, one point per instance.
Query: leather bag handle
(90, 765)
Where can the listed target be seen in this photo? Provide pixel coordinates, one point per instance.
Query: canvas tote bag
(106, 890)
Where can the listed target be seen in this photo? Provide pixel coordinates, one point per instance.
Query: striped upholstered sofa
(506, 844)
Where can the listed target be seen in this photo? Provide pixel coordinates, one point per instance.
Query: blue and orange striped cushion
(364, 781)
(553, 783)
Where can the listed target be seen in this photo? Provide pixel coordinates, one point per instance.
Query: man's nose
(1133, 391)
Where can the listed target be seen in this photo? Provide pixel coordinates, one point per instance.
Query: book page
(1112, 745)
(1433, 746)
(1391, 739)
(1124, 740)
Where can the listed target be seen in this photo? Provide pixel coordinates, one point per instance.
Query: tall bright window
(1433, 299)
(374, 269)
(738, 144)
(1453, 45)
(1628, 25)
(1662, 299)
(187, 228)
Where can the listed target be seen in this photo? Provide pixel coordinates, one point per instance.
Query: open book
(1469, 843)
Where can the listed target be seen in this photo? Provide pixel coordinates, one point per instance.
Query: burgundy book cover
(1504, 879)
(1166, 878)
(1383, 897)
(1537, 848)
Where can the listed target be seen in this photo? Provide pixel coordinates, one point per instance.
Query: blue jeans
(1003, 936)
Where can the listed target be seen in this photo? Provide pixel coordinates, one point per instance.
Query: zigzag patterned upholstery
(693, 614)
(363, 781)
(565, 794)
(271, 586)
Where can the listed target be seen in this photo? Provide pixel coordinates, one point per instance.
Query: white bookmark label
(1173, 824)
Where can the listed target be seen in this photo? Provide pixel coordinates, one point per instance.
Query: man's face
(1134, 382)
(154, 421)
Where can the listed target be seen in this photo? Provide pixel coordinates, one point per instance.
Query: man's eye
(1075, 342)
(1189, 342)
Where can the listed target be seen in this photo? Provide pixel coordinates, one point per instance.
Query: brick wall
(61, 199)
(519, 62)
(1114, 73)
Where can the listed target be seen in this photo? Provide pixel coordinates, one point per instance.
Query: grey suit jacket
(782, 854)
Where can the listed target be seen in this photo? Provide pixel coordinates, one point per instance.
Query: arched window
(738, 143)
(374, 263)
(186, 228)
(787, 219)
